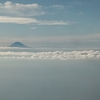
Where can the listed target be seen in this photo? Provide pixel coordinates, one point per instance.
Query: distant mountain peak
(18, 44)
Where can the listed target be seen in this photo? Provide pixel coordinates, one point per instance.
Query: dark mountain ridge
(18, 44)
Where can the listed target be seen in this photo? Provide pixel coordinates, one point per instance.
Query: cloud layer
(61, 55)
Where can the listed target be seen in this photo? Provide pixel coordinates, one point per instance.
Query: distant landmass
(18, 44)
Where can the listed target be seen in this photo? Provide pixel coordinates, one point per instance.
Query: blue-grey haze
(49, 79)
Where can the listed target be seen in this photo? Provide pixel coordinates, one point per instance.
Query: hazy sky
(50, 18)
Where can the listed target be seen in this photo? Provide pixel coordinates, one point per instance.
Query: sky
(71, 23)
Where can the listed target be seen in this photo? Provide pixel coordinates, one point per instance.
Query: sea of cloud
(61, 55)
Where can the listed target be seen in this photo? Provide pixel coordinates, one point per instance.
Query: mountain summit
(18, 44)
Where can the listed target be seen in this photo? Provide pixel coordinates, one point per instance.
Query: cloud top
(21, 9)
(61, 55)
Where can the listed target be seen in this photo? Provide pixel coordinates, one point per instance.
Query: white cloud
(57, 6)
(17, 20)
(62, 55)
(21, 9)
(20, 14)
(20, 20)
(56, 22)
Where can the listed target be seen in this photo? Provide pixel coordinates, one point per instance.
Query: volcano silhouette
(18, 44)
